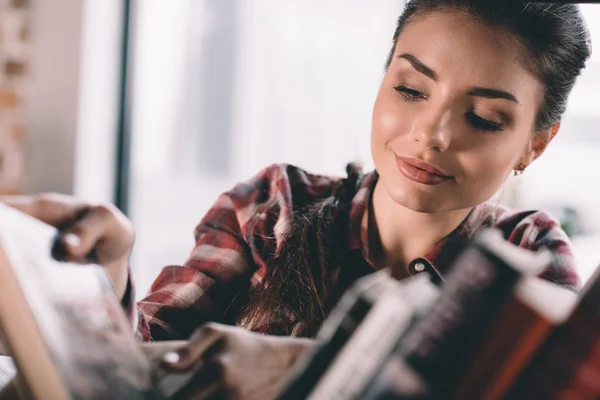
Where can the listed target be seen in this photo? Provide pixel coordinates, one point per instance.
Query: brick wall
(14, 47)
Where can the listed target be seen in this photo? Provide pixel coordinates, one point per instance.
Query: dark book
(397, 381)
(359, 335)
(568, 365)
(438, 348)
(536, 308)
(479, 286)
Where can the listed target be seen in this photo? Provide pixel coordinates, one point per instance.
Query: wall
(71, 101)
(53, 95)
(15, 47)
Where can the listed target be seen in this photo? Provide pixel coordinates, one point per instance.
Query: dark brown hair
(555, 36)
(297, 283)
(297, 280)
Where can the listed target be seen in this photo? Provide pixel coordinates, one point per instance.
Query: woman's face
(454, 114)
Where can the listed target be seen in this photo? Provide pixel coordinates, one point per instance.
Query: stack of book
(493, 330)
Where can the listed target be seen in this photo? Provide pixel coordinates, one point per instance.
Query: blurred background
(158, 106)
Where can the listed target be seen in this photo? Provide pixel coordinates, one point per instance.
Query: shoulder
(261, 207)
(534, 230)
(281, 184)
(522, 227)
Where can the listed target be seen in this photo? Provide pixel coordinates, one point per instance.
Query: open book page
(7, 371)
(76, 311)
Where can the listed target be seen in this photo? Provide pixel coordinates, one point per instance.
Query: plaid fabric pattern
(247, 224)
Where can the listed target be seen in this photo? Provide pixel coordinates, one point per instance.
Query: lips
(420, 171)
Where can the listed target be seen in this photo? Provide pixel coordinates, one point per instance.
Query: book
(568, 365)
(358, 336)
(63, 324)
(535, 310)
(334, 333)
(477, 288)
(435, 354)
(393, 310)
(397, 381)
(8, 372)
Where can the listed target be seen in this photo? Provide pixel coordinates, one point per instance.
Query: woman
(473, 90)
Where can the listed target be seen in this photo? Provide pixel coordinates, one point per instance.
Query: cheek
(487, 169)
(389, 119)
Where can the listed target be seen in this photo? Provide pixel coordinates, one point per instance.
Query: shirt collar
(360, 204)
(440, 257)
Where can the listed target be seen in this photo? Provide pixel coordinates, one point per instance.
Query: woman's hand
(233, 363)
(87, 232)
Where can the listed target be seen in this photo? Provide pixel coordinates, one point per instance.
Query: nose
(432, 130)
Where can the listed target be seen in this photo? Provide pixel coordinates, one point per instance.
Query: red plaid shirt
(249, 222)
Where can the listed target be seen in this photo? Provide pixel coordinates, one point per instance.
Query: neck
(401, 234)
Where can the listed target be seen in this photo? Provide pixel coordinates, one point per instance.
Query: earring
(520, 169)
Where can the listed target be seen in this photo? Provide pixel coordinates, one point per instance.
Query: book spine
(398, 381)
(310, 369)
(366, 350)
(513, 340)
(568, 366)
(439, 345)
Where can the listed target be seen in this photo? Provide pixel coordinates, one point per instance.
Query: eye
(483, 124)
(409, 94)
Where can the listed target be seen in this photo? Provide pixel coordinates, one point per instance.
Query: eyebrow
(419, 66)
(477, 91)
(492, 94)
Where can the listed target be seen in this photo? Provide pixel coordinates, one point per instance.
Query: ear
(537, 145)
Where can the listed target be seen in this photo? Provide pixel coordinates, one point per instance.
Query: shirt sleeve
(219, 267)
(234, 241)
(548, 234)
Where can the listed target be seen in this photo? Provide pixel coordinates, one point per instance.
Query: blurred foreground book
(63, 325)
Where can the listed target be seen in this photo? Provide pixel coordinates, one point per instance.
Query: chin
(425, 206)
(415, 200)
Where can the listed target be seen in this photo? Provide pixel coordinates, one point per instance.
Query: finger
(97, 226)
(77, 240)
(156, 350)
(215, 349)
(204, 382)
(61, 246)
(202, 340)
(51, 208)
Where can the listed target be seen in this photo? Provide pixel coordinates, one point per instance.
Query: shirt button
(419, 267)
